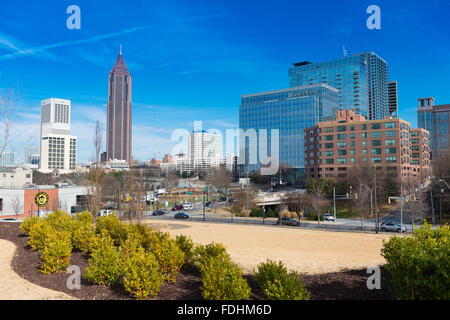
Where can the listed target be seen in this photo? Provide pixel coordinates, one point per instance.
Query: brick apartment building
(332, 148)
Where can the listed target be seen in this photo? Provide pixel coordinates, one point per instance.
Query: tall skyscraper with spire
(118, 127)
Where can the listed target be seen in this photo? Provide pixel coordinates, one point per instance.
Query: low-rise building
(389, 145)
(40, 200)
(15, 176)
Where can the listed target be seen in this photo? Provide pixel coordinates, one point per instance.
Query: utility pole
(375, 196)
(433, 220)
(441, 191)
(401, 206)
(334, 202)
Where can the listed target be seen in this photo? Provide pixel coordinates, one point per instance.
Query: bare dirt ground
(14, 287)
(306, 251)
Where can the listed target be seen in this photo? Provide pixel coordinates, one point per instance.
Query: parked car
(178, 207)
(390, 226)
(288, 221)
(207, 203)
(328, 217)
(158, 213)
(103, 213)
(181, 215)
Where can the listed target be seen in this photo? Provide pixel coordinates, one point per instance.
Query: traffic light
(347, 194)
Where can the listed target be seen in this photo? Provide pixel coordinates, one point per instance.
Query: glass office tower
(288, 110)
(361, 80)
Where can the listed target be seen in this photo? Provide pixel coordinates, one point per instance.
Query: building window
(390, 133)
(391, 159)
(364, 151)
(391, 150)
(364, 135)
(375, 134)
(341, 129)
(342, 152)
(328, 145)
(389, 125)
(375, 126)
(329, 161)
(390, 142)
(364, 127)
(376, 159)
(328, 138)
(342, 136)
(329, 153)
(376, 150)
(342, 144)
(342, 160)
(330, 129)
(364, 143)
(376, 142)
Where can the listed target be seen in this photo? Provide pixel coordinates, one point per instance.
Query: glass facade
(362, 82)
(288, 110)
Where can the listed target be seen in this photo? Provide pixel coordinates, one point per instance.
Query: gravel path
(13, 287)
(303, 250)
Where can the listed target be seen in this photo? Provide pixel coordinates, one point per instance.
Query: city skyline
(194, 62)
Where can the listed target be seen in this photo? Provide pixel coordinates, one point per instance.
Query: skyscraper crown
(120, 67)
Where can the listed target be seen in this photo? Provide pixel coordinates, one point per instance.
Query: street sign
(41, 199)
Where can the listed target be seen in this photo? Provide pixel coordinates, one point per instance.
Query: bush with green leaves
(222, 279)
(419, 264)
(83, 231)
(56, 252)
(187, 246)
(60, 221)
(104, 263)
(169, 256)
(116, 229)
(26, 225)
(38, 234)
(257, 212)
(211, 250)
(279, 284)
(141, 274)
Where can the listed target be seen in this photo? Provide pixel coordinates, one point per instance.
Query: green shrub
(257, 212)
(26, 225)
(83, 234)
(419, 264)
(278, 284)
(313, 216)
(56, 252)
(141, 275)
(169, 257)
(100, 240)
(60, 221)
(222, 279)
(85, 217)
(187, 246)
(116, 229)
(38, 234)
(211, 250)
(104, 263)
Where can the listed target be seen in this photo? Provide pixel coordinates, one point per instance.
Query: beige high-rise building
(118, 127)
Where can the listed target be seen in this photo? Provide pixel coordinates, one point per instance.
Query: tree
(16, 206)
(243, 199)
(219, 177)
(9, 103)
(96, 173)
(317, 199)
(170, 181)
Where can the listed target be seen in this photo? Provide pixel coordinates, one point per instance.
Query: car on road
(288, 221)
(178, 207)
(390, 226)
(207, 203)
(158, 213)
(328, 217)
(188, 206)
(181, 215)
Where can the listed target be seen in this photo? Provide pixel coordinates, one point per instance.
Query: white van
(103, 213)
(188, 206)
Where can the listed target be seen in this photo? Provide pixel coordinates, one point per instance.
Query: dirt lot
(307, 251)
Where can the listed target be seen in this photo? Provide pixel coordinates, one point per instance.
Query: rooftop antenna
(344, 51)
(120, 50)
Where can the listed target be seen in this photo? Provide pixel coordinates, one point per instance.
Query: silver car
(390, 226)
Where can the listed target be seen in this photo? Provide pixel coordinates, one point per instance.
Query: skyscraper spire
(120, 52)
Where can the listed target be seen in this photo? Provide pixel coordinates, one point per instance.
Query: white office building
(58, 147)
(204, 152)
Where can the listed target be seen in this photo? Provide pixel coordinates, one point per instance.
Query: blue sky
(192, 60)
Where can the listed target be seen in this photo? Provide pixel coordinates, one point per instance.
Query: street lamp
(441, 192)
